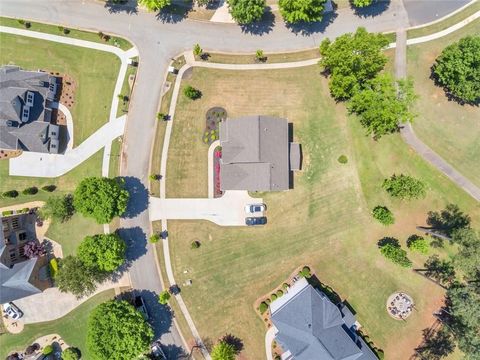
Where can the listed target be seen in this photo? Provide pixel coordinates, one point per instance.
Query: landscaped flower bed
(216, 173)
(212, 120)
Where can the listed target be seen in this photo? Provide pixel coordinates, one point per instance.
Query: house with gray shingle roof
(257, 154)
(26, 99)
(309, 326)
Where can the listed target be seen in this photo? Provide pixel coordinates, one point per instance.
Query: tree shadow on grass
(308, 28)
(377, 8)
(235, 342)
(261, 27)
(138, 201)
(450, 96)
(121, 7)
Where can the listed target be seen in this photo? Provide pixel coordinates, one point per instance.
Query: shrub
(305, 272)
(7, 212)
(47, 350)
(154, 177)
(396, 254)
(10, 194)
(71, 353)
(197, 50)
(273, 297)
(263, 307)
(164, 297)
(383, 215)
(49, 188)
(28, 25)
(66, 31)
(404, 187)
(342, 159)
(30, 191)
(33, 249)
(154, 238)
(161, 116)
(195, 244)
(192, 93)
(223, 351)
(53, 268)
(285, 286)
(21, 22)
(279, 293)
(418, 244)
(259, 56)
(268, 301)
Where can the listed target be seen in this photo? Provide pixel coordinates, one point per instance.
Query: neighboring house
(309, 326)
(19, 276)
(26, 99)
(257, 154)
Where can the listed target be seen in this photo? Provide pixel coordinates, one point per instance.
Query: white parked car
(12, 311)
(255, 208)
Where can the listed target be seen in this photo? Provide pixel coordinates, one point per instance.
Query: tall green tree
(441, 270)
(100, 198)
(154, 5)
(59, 208)
(102, 252)
(117, 331)
(448, 220)
(75, 278)
(351, 60)
(468, 257)
(294, 11)
(246, 11)
(223, 351)
(457, 69)
(384, 104)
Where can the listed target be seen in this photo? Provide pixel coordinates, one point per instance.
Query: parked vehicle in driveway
(157, 352)
(12, 311)
(254, 208)
(140, 306)
(252, 221)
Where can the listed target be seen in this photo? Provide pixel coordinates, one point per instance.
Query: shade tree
(246, 12)
(102, 252)
(294, 11)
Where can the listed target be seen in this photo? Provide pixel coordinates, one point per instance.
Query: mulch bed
(213, 118)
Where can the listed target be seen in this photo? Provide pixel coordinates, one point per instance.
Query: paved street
(158, 40)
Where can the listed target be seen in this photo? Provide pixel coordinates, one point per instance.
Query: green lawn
(450, 129)
(95, 73)
(74, 33)
(325, 221)
(72, 328)
(65, 183)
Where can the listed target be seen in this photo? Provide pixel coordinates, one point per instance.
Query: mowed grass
(72, 328)
(450, 129)
(324, 221)
(94, 72)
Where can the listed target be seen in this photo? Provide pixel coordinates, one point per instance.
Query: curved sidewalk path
(407, 131)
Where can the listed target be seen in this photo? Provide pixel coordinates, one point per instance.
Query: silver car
(255, 208)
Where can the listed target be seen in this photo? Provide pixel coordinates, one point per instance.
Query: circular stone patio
(400, 305)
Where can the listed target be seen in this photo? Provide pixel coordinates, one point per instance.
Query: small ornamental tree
(117, 331)
(351, 60)
(10, 194)
(154, 5)
(197, 50)
(100, 198)
(71, 353)
(33, 249)
(457, 69)
(404, 187)
(384, 104)
(102, 252)
(383, 215)
(49, 188)
(164, 297)
(59, 208)
(418, 244)
(362, 3)
(246, 11)
(74, 277)
(192, 93)
(223, 351)
(294, 11)
(396, 254)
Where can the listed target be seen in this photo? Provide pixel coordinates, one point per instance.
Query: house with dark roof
(308, 326)
(26, 100)
(257, 154)
(19, 276)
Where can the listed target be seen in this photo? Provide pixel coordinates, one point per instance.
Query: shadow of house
(257, 154)
(26, 111)
(19, 275)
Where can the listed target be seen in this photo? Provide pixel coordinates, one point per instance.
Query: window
(54, 133)
(22, 236)
(53, 146)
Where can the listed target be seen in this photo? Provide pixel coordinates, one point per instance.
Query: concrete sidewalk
(228, 210)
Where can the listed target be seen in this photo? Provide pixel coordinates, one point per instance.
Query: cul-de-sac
(240, 179)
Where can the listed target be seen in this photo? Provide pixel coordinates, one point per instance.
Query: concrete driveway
(228, 210)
